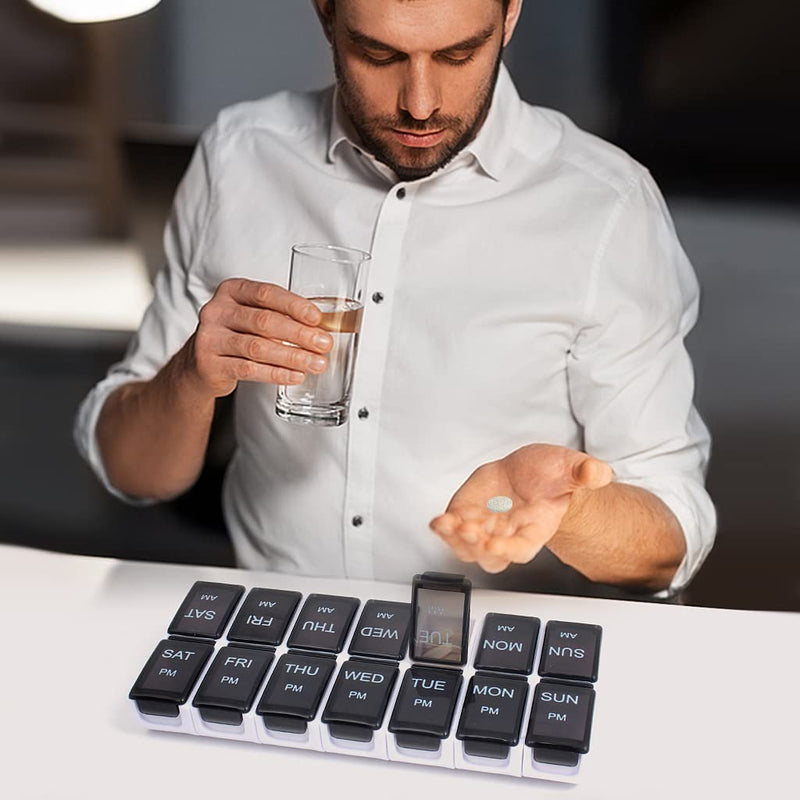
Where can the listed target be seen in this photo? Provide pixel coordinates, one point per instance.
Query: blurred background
(98, 122)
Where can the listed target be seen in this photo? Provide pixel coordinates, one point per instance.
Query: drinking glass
(334, 279)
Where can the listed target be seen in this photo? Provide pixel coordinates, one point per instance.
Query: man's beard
(368, 128)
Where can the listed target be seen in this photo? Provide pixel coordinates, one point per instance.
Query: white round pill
(500, 504)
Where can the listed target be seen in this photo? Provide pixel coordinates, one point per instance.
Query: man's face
(416, 77)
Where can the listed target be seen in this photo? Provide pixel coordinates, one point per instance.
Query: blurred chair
(58, 112)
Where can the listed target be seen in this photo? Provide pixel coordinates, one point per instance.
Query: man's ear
(512, 17)
(324, 9)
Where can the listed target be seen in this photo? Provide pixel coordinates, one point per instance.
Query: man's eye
(380, 60)
(457, 61)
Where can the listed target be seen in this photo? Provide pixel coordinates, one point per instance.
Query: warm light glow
(94, 10)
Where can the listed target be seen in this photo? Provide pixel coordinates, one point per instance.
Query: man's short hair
(504, 2)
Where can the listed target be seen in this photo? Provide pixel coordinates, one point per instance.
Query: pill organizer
(334, 674)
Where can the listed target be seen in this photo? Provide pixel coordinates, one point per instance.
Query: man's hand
(540, 479)
(246, 333)
(153, 434)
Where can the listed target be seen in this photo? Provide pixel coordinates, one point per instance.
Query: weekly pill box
(333, 673)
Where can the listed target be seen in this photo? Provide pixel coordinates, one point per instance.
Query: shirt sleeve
(631, 378)
(172, 315)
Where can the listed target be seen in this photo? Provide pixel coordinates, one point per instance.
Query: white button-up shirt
(533, 290)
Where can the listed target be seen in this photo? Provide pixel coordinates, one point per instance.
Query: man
(526, 310)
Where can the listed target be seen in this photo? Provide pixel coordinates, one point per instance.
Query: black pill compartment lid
(441, 582)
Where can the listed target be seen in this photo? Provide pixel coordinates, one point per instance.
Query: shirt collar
(341, 129)
(495, 140)
(490, 148)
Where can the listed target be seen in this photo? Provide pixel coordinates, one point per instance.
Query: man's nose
(420, 95)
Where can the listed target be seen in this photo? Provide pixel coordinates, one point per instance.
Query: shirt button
(363, 413)
(377, 297)
(401, 193)
(357, 521)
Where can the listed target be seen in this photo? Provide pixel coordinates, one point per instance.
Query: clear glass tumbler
(334, 278)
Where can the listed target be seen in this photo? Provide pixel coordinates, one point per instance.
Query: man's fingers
(446, 524)
(493, 564)
(502, 526)
(268, 295)
(266, 351)
(254, 331)
(464, 552)
(472, 513)
(470, 553)
(591, 473)
(455, 531)
(471, 531)
(241, 369)
(519, 549)
(271, 324)
(538, 521)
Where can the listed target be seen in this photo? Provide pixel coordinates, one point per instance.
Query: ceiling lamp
(94, 10)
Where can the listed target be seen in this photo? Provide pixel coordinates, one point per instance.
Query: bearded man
(522, 336)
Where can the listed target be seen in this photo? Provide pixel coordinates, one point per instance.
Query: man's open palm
(540, 480)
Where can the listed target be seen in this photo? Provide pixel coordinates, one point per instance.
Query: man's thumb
(591, 473)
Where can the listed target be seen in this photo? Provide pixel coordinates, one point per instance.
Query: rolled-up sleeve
(631, 378)
(172, 315)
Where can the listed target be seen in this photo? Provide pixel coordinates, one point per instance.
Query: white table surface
(691, 702)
